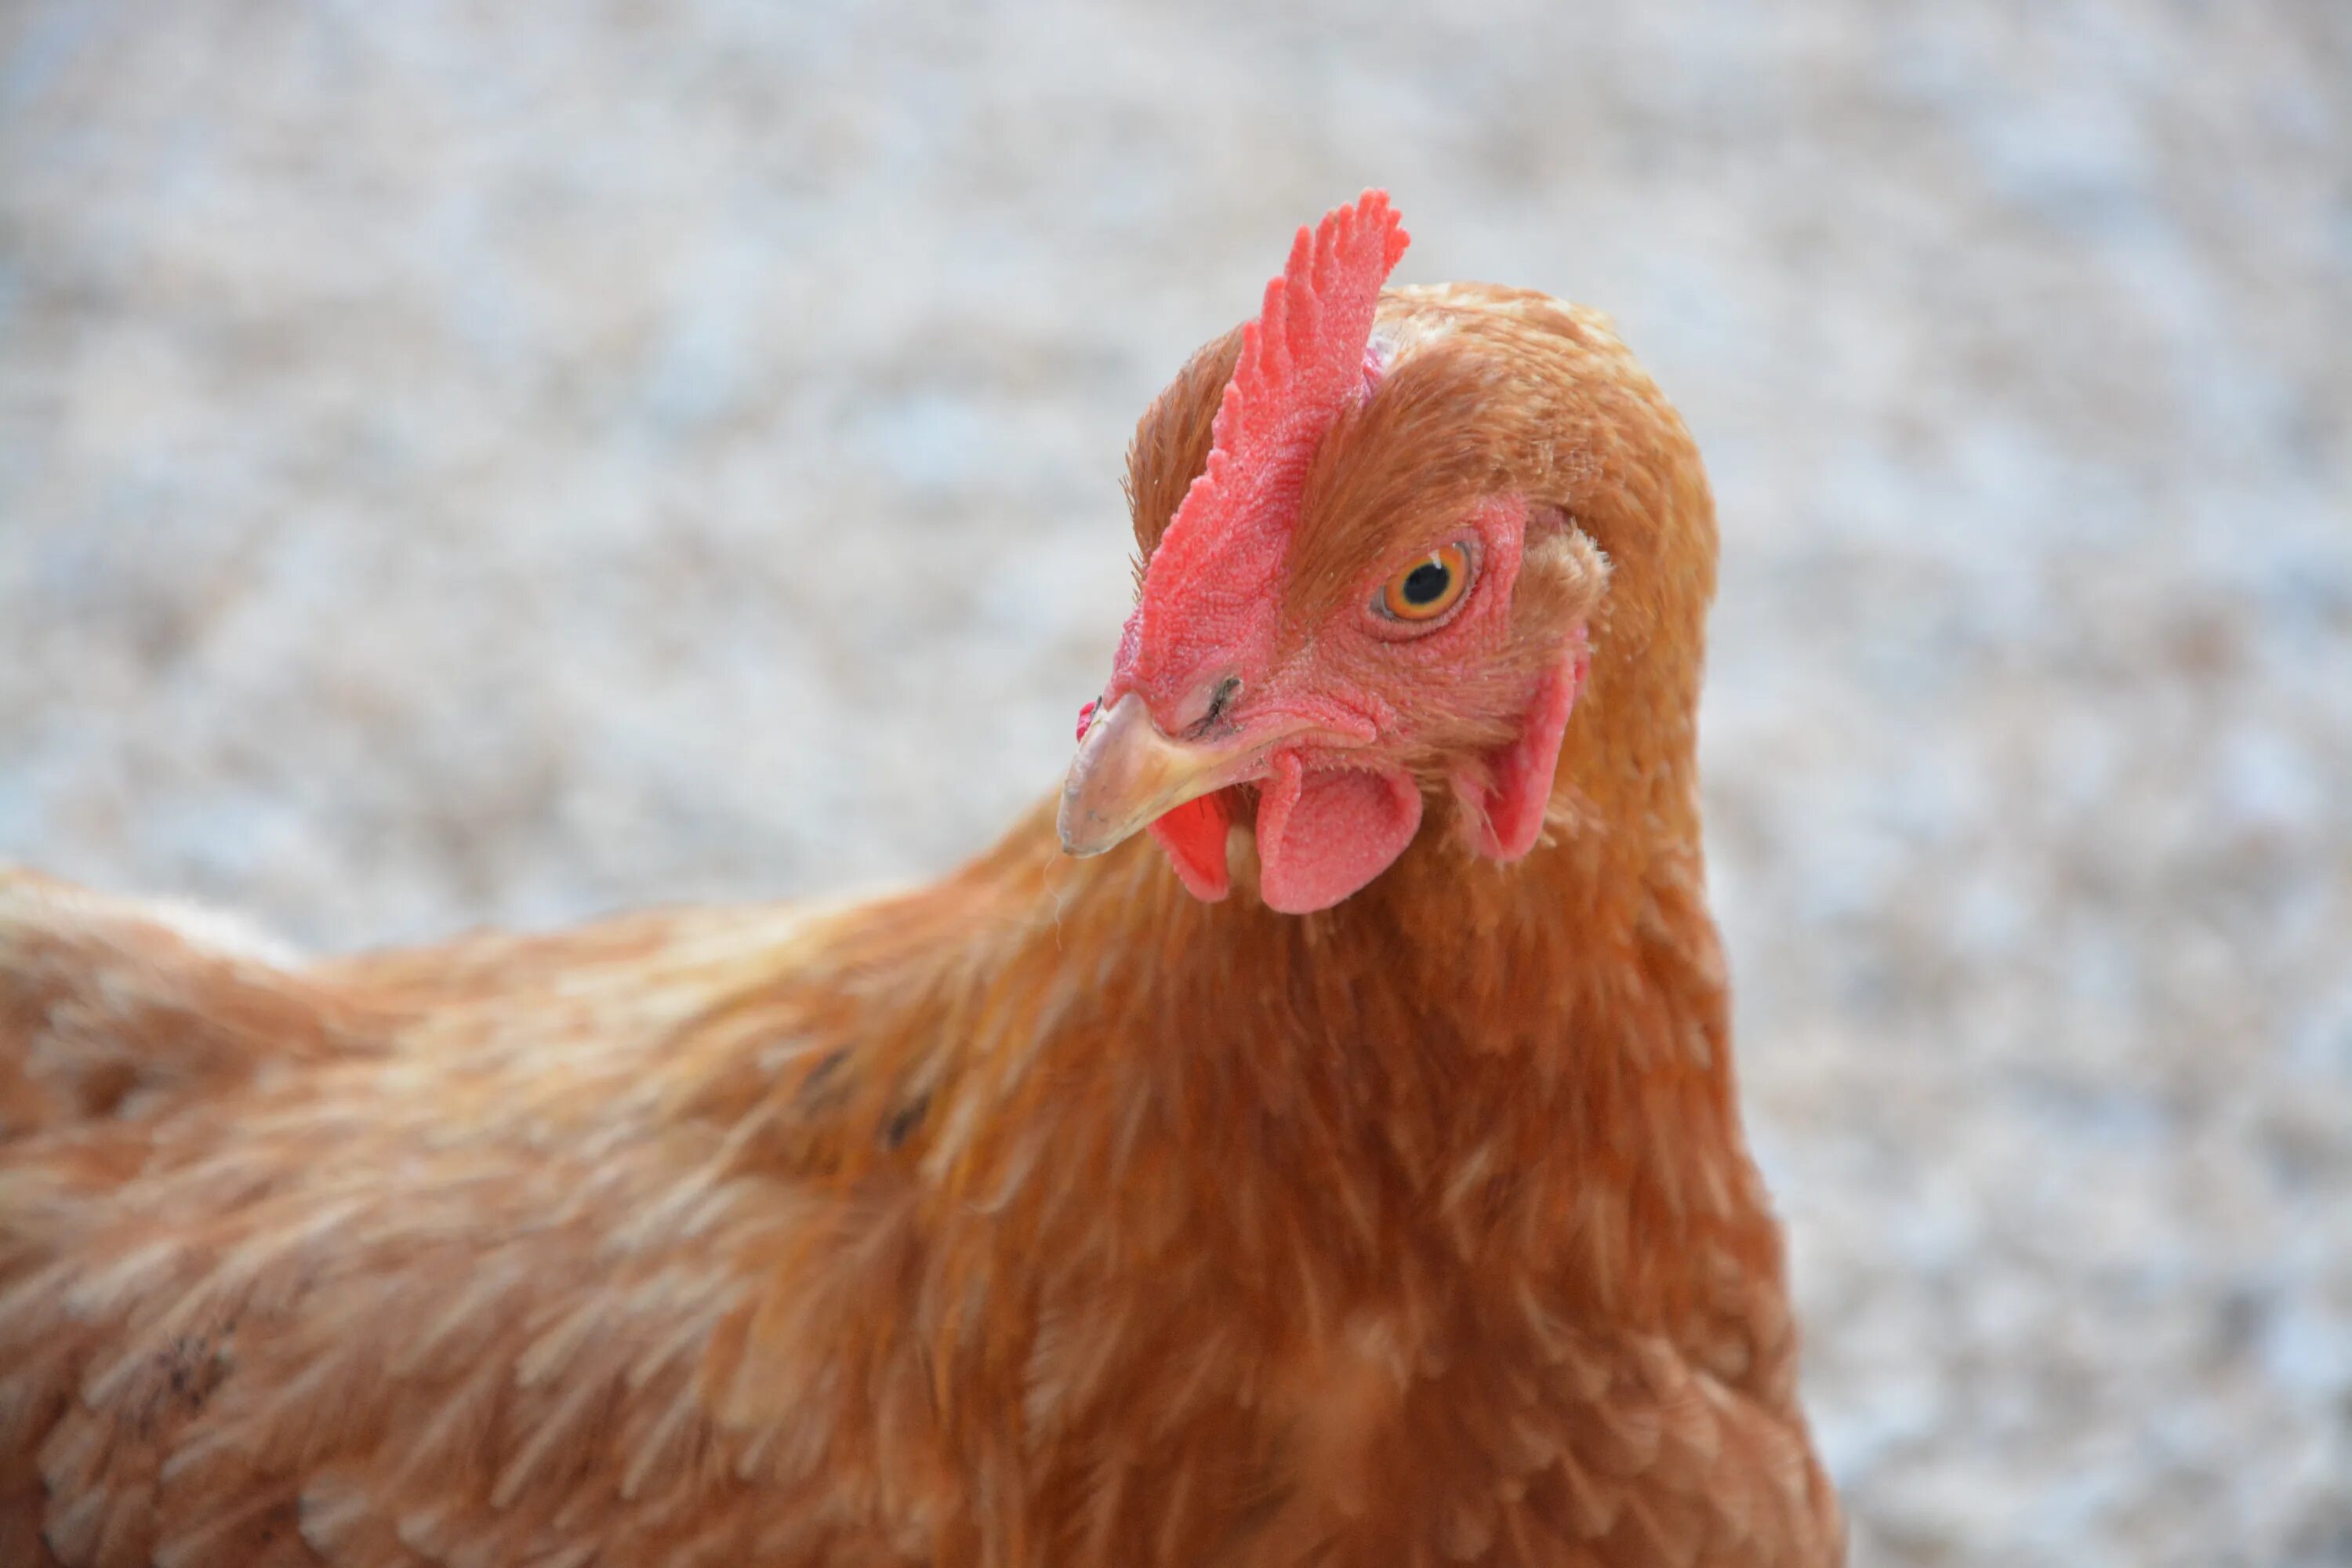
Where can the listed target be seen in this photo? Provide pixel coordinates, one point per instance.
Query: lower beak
(1127, 774)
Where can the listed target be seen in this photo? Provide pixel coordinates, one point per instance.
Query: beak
(1127, 774)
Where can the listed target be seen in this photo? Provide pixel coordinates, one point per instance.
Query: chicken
(1344, 1169)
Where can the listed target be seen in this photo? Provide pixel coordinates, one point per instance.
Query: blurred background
(501, 462)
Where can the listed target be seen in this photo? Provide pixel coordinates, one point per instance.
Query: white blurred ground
(493, 463)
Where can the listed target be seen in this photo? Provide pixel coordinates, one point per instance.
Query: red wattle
(1323, 836)
(1194, 836)
(1514, 803)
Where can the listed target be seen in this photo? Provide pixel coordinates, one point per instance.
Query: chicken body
(1049, 1215)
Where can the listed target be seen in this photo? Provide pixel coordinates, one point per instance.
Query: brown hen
(1354, 1178)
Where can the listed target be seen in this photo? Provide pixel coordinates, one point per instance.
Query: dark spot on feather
(186, 1374)
(817, 1090)
(904, 1121)
(106, 1085)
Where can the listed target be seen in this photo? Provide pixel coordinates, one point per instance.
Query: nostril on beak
(1220, 698)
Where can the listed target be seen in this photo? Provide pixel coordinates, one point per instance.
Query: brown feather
(1043, 1216)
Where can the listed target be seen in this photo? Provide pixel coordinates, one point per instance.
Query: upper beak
(1127, 774)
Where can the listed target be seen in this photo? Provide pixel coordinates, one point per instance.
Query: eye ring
(1425, 590)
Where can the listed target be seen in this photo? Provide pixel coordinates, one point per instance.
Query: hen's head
(1378, 582)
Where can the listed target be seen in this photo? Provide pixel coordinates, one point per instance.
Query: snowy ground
(494, 463)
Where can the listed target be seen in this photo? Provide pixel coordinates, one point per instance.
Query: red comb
(1302, 362)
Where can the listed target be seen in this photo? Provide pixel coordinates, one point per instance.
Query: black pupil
(1426, 584)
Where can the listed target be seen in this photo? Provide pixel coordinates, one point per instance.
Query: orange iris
(1429, 588)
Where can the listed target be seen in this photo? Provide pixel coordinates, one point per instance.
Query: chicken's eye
(1429, 588)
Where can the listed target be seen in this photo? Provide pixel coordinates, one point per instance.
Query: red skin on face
(1335, 806)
